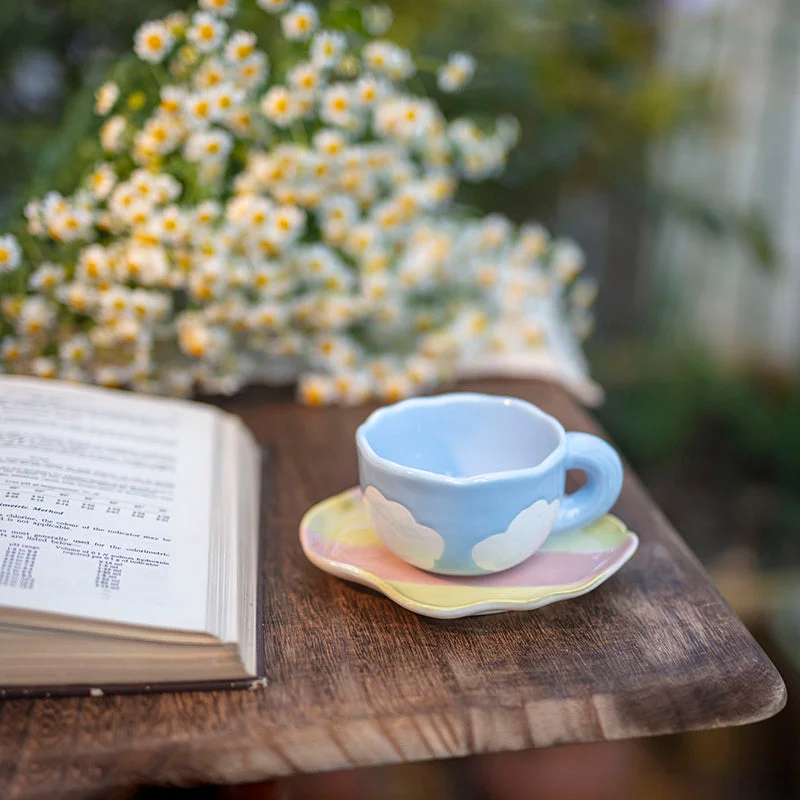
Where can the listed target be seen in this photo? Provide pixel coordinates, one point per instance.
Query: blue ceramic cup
(467, 484)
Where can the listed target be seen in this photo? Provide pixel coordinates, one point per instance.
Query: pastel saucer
(336, 535)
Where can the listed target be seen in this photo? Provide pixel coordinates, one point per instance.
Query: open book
(128, 540)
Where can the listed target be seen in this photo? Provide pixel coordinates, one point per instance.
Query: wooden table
(353, 680)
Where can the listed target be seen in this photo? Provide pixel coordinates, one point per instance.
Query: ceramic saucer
(337, 537)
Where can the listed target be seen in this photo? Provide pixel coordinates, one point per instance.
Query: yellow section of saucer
(342, 518)
(420, 596)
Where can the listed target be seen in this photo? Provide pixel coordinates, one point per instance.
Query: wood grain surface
(354, 680)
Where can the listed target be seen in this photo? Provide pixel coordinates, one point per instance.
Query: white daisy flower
(34, 217)
(369, 90)
(305, 77)
(226, 98)
(35, 316)
(212, 72)
(46, 278)
(377, 18)
(567, 260)
(286, 223)
(44, 367)
(337, 105)
(152, 41)
(105, 98)
(167, 188)
(170, 225)
(240, 46)
(172, 99)
(352, 387)
(268, 316)
(274, 6)
(76, 296)
(112, 133)
(10, 253)
(279, 106)
(206, 32)
(327, 48)
(177, 22)
(11, 349)
(161, 132)
(456, 73)
(199, 109)
(252, 72)
(70, 225)
(76, 349)
(329, 142)
(207, 212)
(102, 181)
(214, 144)
(316, 390)
(93, 264)
(111, 377)
(339, 209)
(389, 59)
(300, 21)
(225, 8)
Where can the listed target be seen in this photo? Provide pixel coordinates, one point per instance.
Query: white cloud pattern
(524, 536)
(401, 533)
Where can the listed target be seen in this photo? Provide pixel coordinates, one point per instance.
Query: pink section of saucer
(541, 569)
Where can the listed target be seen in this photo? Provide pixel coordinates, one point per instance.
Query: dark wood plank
(354, 680)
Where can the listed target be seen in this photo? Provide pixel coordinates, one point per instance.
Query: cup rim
(366, 451)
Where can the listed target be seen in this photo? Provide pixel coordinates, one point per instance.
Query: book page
(105, 504)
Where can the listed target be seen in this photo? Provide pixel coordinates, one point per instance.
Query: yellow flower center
(155, 41)
(267, 247)
(137, 100)
(5, 255)
(313, 395)
(206, 32)
(393, 392)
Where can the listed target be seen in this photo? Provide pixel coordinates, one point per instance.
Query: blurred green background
(607, 91)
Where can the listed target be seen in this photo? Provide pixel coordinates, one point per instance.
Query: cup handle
(603, 469)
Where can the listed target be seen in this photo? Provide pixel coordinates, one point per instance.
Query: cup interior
(463, 436)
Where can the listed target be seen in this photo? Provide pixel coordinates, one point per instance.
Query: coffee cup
(469, 484)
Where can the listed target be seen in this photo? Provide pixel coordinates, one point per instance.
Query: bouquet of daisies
(256, 219)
